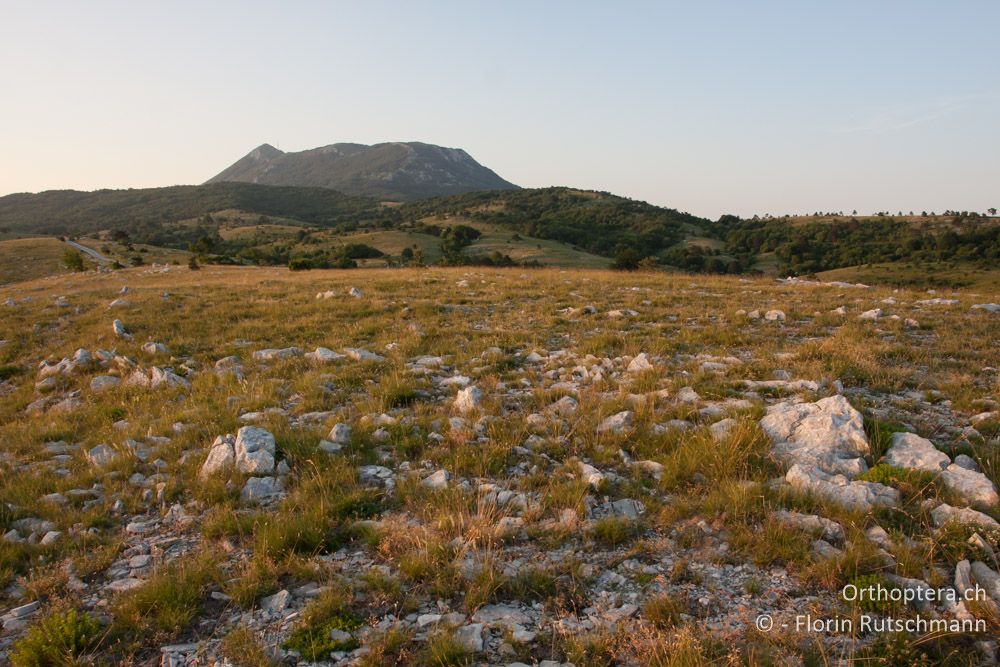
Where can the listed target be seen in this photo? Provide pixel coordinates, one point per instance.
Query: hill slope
(395, 171)
(142, 212)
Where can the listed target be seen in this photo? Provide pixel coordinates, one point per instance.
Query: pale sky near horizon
(709, 107)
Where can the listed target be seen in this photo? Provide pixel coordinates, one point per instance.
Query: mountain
(390, 171)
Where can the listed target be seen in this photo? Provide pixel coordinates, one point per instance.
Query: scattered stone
(254, 451)
(120, 331)
(617, 423)
(468, 399)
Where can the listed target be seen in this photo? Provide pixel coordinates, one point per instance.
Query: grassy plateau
(480, 466)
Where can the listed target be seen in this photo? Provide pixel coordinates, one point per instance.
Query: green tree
(73, 260)
(626, 259)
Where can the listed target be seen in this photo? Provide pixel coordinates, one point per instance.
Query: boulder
(973, 487)
(254, 450)
(862, 496)
(468, 399)
(617, 423)
(261, 489)
(909, 450)
(272, 354)
(221, 457)
(104, 383)
(944, 513)
(119, 330)
(322, 355)
(437, 480)
(640, 363)
(828, 434)
(340, 434)
(101, 455)
(626, 508)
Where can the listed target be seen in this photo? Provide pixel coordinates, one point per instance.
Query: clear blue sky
(710, 107)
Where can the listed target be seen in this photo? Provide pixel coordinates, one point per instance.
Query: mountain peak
(390, 170)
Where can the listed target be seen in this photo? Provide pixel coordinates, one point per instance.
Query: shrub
(58, 639)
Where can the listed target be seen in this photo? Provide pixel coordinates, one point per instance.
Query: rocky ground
(444, 467)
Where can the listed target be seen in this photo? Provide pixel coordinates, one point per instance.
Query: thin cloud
(903, 117)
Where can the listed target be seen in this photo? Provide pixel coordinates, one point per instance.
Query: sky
(709, 107)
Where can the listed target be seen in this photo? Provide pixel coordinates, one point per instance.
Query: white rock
(620, 422)
(988, 307)
(221, 457)
(639, 364)
(277, 602)
(154, 348)
(272, 354)
(909, 450)
(340, 434)
(261, 489)
(104, 383)
(944, 513)
(591, 475)
(468, 399)
(101, 455)
(358, 354)
(774, 316)
(872, 314)
(828, 434)
(720, 430)
(120, 331)
(973, 487)
(839, 489)
(471, 637)
(254, 451)
(160, 378)
(437, 480)
(322, 355)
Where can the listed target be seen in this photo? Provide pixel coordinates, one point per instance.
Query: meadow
(485, 466)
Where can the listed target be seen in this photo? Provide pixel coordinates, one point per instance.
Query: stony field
(238, 466)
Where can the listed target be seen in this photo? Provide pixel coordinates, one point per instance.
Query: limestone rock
(909, 450)
(254, 451)
(468, 399)
(828, 434)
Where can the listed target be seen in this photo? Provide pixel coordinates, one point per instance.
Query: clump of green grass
(168, 601)
(244, 649)
(771, 542)
(328, 612)
(614, 531)
(393, 647)
(255, 578)
(443, 649)
(531, 584)
(664, 611)
(61, 638)
(913, 485)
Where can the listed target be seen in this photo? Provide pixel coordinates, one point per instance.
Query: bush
(73, 260)
(58, 639)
